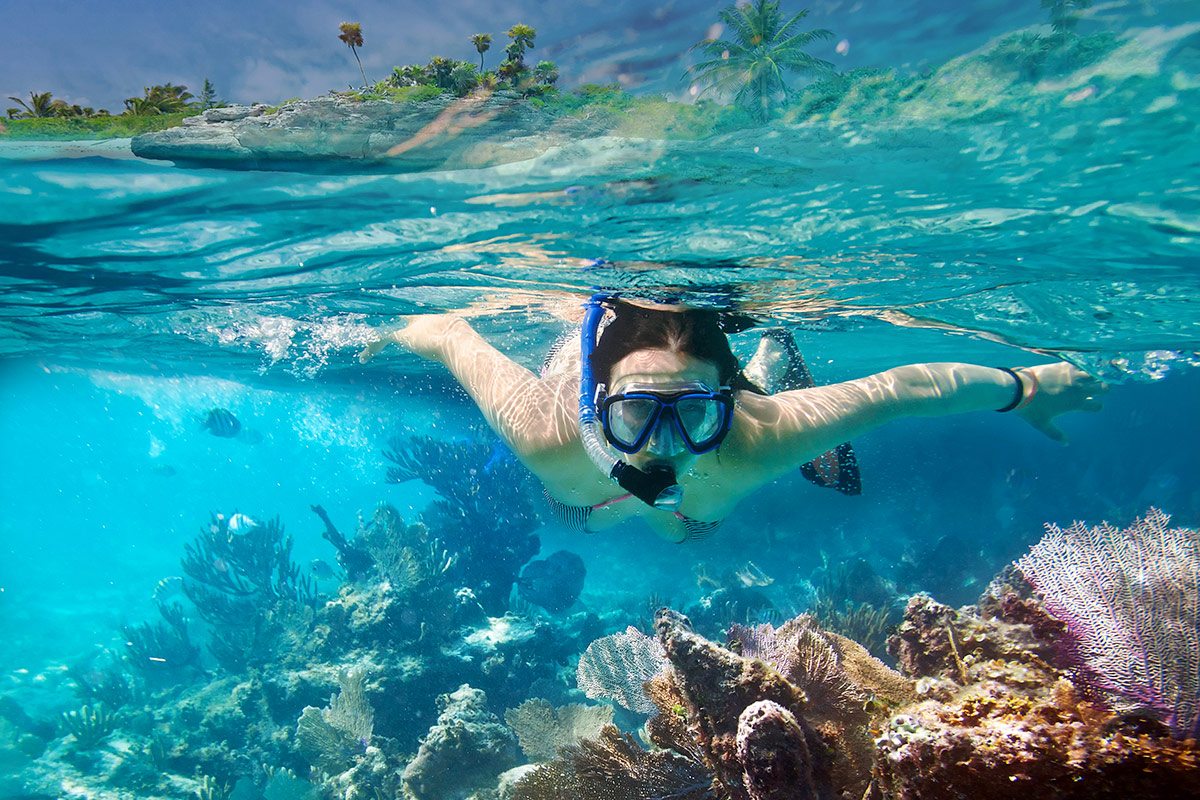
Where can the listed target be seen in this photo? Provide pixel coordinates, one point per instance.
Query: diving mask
(671, 419)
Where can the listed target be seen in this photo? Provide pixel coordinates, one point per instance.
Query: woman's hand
(1060, 388)
(423, 334)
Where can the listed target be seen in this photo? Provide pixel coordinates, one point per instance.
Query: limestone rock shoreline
(333, 132)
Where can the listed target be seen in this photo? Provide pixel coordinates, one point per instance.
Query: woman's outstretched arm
(785, 430)
(526, 412)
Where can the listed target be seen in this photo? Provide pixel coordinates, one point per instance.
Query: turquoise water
(138, 296)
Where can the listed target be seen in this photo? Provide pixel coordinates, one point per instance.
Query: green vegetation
(1034, 56)
(102, 126)
(752, 62)
(1063, 18)
(415, 82)
(160, 106)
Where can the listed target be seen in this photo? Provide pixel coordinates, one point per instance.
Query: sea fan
(615, 667)
(1131, 602)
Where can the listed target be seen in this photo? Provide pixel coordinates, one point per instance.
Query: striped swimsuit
(576, 518)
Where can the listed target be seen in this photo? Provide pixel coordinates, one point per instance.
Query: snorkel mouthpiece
(654, 486)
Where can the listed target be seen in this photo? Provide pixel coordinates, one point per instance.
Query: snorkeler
(650, 415)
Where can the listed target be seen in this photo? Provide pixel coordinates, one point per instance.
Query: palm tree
(351, 34)
(522, 40)
(141, 107)
(522, 36)
(439, 69)
(546, 73)
(483, 43)
(39, 105)
(463, 78)
(165, 99)
(753, 60)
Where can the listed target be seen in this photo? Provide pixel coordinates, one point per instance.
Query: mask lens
(701, 419)
(629, 417)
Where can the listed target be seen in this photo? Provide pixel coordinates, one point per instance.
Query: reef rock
(1001, 720)
(719, 688)
(442, 132)
(465, 751)
(772, 747)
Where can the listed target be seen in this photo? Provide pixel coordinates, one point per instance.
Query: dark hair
(698, 332)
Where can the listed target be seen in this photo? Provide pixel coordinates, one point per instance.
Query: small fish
(321, 569)
(221, 422)
(168, 588)
(554, 582)
(240, 523)
(752, 575)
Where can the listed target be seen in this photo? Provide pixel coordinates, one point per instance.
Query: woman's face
(664, 370)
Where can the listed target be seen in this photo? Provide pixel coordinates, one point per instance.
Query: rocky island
(439, 132)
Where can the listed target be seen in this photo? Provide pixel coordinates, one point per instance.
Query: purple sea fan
(1131, 602)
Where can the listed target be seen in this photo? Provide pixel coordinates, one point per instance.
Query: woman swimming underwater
(651, 415)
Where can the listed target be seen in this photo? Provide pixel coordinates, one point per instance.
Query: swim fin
(777, 366)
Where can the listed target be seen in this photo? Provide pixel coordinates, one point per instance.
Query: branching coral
(246, 586)
(156, 650)
(484, 514)
(90, 725)
(614, 767)
(1131, 602)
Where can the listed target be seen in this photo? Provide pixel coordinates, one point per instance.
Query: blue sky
(98, 52)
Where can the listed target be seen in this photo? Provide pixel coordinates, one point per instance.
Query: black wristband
(1016, 401)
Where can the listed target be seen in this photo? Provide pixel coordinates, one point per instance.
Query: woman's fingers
(1050, 429)
(372, 349)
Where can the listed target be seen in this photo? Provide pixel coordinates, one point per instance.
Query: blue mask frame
(665, 404)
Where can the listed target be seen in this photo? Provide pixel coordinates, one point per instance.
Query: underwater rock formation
(998, 716)
(772, 748)
(716, 687)
(466, 750)
(553, 582)
(785, 717)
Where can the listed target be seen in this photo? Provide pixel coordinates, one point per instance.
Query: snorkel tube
(657, 487)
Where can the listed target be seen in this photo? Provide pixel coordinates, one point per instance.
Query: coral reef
(788, 716)
(614, 767)
(356, 697)
(997, 715)
(89, 725)
(330, 738)
(465, 750)
(616, 667)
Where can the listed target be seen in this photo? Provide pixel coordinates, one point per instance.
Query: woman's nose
(664, 441)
